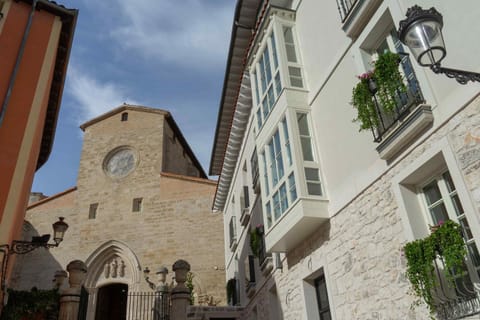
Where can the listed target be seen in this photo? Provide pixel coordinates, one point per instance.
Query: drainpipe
(17, 62)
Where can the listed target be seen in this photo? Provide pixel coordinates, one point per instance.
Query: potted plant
(256, 239)
(445, 242)
(386, 82)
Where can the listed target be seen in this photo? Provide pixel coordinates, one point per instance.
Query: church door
(112, 302)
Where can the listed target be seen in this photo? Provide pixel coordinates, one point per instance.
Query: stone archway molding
(113, 262)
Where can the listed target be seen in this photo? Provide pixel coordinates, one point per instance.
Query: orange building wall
(19, 151)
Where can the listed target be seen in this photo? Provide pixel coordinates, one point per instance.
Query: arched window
(125, 116)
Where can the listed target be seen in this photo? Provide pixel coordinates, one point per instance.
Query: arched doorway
(112, 302)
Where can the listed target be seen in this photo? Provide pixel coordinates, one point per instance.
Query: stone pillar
(180, 294)
(70, 297)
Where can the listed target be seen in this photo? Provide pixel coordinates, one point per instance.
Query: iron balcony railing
(404, 101)
(345, 7)
(461, 301)
(148, 306)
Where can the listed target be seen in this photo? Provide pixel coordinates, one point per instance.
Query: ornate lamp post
(421, 31)
(22, 247)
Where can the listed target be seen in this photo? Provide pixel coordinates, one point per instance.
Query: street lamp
(22, 247)
(421, 31)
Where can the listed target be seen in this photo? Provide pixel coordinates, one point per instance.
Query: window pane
(467, 232)
(292, 187)
(278, 83)
(325, 316)
(273, 166)
(276, 205)
(307, 149)
(473, 251)
(268, 72)
(295, 77)
(287, 142)
(439, 213)
(283, 197)
(271, 98)
(432, 193)
(457, 204)
(303, 124)
(311, 174)
(449, 182)
(265, 108)
(259, 118)
(269, 214)
(289, 44)
(265, 176)
(255, 84)
(278, 154)
(274, 51)
(262, 75)
(314, 189)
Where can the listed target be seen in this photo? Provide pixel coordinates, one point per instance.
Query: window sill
(359, 16)
(405, 132)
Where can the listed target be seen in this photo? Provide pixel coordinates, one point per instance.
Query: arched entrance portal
(112, 302)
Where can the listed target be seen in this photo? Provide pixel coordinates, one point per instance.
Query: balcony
(407, 117)
(355, 14)
(303, 218)
(245, 217)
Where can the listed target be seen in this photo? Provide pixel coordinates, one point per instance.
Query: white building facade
(333, 206)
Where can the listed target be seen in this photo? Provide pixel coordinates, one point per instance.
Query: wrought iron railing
(405, 101)
(148, 306)
(262, 252)
(457, 302)
(345, 7)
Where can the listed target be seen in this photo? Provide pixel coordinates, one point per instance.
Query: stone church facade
(142, 200)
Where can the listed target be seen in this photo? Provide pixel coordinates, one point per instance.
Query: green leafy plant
(386, 82)
(256, 240)
(190, 286)
(446, 242)
(31, 304)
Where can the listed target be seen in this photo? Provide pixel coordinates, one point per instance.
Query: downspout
(13, 77)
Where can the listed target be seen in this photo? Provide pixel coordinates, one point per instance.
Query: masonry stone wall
(175, 220)
(360, 248)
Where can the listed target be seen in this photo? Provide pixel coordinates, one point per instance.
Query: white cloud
(191, 33)
(92, 96)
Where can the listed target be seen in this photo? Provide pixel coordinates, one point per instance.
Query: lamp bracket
(461, 76)
(22, 247)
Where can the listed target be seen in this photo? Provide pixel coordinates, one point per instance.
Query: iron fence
(148, 306)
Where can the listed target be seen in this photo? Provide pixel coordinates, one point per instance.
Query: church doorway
(112, 302)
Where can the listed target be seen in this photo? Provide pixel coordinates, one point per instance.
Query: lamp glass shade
(425, 41)
(59, 229)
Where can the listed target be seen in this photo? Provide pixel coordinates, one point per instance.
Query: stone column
(70, 297)
(180, 294)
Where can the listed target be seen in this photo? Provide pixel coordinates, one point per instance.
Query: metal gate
(148, 306)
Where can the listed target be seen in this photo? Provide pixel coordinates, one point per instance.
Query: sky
(168, 54)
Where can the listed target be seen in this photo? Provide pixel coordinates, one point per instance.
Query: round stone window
(120, 162)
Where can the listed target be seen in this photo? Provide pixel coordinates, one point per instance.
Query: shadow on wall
(34, 269)
(310, 244)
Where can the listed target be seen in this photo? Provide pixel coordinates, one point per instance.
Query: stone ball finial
(181, 264)
(181, 268)
(78, 271)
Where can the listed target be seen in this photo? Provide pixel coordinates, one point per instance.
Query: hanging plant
(362, 100)
(386, 81)
(256, 240)
(445, 242)
(389, 80)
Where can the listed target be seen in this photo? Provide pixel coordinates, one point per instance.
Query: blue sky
(168, 54)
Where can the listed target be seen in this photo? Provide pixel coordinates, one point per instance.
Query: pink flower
(366, 75)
